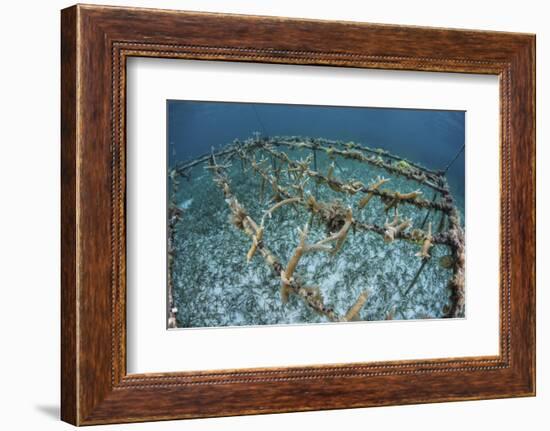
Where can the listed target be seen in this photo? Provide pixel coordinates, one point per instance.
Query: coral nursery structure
(318, 217)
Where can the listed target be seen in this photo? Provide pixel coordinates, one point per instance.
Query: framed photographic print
(266, 214)
(309, 196)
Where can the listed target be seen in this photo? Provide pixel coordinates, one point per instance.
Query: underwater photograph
(301, 214)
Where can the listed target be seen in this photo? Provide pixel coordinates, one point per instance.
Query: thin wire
(454, 159)
(259, 120)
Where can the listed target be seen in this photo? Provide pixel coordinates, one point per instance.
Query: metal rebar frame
(263, 157)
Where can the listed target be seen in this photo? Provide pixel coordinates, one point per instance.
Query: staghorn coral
(341, 235)
(289, 283)
(338, 237)
(393, 199)
(353, 312)
(424, 252)
(238, 216)
(412, 198)
(289, 181)
(395, 227)
(286, 275)
(279, 204)
(372, 188)
(256, 240)
(333, 213)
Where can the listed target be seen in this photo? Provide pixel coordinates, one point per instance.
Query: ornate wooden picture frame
(96, 41)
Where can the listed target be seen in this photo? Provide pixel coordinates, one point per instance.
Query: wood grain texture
(69, 397)
(96, 41)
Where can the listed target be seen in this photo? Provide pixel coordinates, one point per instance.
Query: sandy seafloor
(214, 285)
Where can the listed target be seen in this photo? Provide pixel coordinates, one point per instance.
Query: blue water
(429, 137)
